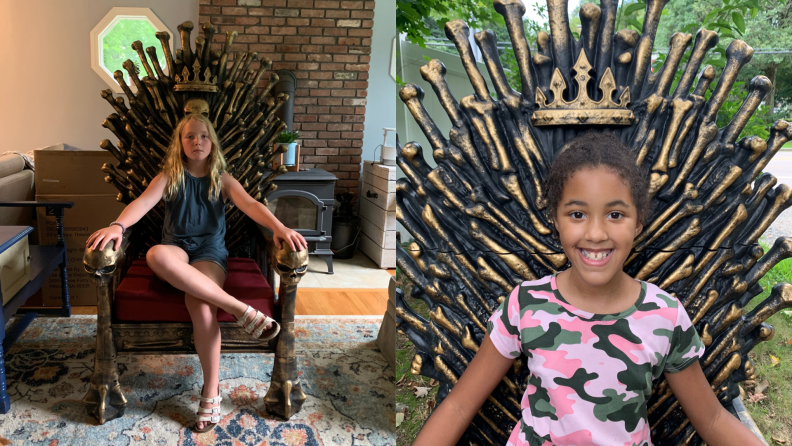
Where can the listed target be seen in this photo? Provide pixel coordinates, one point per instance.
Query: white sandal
(210, 415)
(250, 326)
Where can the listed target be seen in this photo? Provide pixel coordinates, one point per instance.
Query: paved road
(781, 167)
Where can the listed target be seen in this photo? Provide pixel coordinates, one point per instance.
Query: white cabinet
(378, 213)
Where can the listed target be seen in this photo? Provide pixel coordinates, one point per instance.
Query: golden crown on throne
(193, 80)
(583, 109)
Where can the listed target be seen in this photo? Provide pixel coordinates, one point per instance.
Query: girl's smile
(595, 257)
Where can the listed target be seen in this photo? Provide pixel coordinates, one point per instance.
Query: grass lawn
(788, 145)
(415, 410)
(773, 415)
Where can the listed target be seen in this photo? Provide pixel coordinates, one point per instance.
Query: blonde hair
(174, 164)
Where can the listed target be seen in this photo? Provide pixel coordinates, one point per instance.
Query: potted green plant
(288, 139)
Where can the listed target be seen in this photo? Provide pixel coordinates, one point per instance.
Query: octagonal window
(111, 43)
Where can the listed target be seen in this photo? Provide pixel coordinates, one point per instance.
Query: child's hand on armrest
(290, 236)
(105, 236)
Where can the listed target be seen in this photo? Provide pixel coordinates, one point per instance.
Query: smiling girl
(594, 337)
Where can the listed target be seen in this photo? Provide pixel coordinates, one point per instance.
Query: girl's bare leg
(170, 263)
(206, 332)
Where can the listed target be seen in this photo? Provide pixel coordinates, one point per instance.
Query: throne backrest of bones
(198, 81)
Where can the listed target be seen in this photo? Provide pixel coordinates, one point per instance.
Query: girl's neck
(615, 296)
(196, 168)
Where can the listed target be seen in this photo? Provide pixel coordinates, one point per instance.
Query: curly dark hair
(592, 150)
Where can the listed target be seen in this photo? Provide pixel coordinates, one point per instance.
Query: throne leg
(285, 396)
(104, 399)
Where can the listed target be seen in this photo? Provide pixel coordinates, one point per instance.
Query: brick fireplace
(327, 45)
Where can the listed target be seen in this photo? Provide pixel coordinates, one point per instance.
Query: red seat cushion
(143, 297)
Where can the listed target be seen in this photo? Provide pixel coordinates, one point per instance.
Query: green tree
(432, 26)
(770, 28)
(760, 23)
(412, 15)
(117, 45)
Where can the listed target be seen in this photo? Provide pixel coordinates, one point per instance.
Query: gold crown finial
(193, 80)
(582, 110)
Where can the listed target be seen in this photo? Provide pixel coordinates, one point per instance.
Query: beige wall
(48, 91)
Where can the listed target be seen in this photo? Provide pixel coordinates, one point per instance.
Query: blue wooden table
(43, 261)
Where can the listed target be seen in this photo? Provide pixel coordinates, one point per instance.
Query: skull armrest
(106, 261)
(289, 265)
(285, 396)
(104, 399)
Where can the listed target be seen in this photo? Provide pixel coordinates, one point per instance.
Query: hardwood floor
(351, 301)
(323, 302)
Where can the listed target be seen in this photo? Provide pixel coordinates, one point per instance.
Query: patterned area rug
(350, 388)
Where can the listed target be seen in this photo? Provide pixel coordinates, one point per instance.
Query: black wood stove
(304, 202)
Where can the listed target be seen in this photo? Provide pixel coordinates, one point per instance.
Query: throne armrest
(264, 244)
(105, 261)
(289, 265)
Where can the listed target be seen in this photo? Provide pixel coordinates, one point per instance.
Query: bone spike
(512, 12)
(488, 44)
(152, 53)
(679, 43)
(412, 95)
(251, 57)
(705, 41)
(107, 145)
(589, 20)
(164, 38)
(138, 47)
(757, 90)
(119, 77)
(434, 73)
(625, 40)
(780, 298)
(738, 53)
(563, 42)
(605, 39)
(458, 32)
(230, 35)
(643, 53)
(780, 133)
(200, 42)
(184, 32)
(782, 249)
(238, 60)
(209, 31)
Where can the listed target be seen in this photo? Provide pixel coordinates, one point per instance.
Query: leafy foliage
(116, 45)
(288, 136)
(412, 15)
(760, 23)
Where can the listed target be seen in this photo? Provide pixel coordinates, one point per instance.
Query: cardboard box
(62, 169)
(90, 213)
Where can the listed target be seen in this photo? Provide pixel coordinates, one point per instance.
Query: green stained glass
(117, 46)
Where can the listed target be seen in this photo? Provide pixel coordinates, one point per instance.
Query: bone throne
(480, 229)
(198, 81)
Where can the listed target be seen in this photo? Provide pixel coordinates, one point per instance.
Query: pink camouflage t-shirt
(590, 374)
